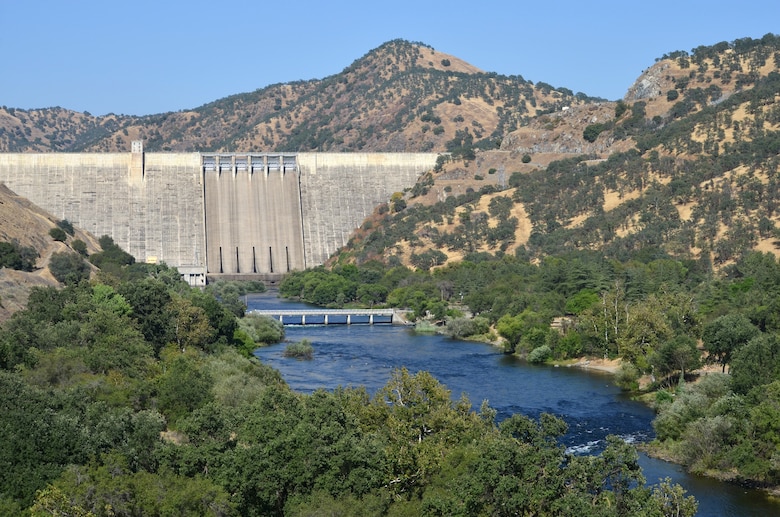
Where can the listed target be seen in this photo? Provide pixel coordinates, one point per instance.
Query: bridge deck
(329, 316)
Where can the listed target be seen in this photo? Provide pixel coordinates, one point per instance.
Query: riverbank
(661, 452)
(601, 365)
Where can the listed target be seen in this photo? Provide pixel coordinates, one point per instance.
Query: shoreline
(610, 366)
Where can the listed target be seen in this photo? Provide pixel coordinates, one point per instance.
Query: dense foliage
(130, 395)
(15, 256)
(651, 314)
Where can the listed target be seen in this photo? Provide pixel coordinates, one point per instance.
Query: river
(363, 355)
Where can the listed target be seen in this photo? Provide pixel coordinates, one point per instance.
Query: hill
(400, 97)
(684, 166)
(27, 226)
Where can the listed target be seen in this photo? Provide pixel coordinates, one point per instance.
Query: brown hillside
(29, 225)
(399, 97)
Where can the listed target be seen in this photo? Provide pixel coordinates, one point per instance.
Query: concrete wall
(166, 207)
(339, 190)
(156, 216)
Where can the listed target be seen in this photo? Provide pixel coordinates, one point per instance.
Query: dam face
(226, 215)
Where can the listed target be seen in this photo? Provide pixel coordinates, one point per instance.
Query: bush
(460, 328)
(299, 350)
(66, 226)
(620, 108)
(526, 158)
(627, 377)
(17, 257)
(262, 329)
(68, 268)
(593, 131)
(540, 354)
(672, 95)
(58, 234)
(79, 247)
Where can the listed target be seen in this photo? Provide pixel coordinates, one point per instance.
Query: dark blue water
(363, 355)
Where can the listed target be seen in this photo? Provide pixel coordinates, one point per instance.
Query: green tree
(68, 268)
(66, 226)
(725, 335)
(184, 387)
(756, 364)
(678, 354)
(58, 234)
(79, 247)
(17, 257)
(150, 301)
(190, 325)
(592, 132)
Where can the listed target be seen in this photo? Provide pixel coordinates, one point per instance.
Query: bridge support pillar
(326, 319)
(303, 319)
(349, 319)
(370, 319)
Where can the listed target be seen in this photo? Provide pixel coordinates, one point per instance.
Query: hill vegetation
(399, 97)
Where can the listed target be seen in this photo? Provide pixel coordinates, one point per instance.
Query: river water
(364, 355)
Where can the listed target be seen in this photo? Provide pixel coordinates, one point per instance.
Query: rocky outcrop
(650, 84)
(561, 132)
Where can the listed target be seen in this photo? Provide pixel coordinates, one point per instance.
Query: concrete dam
(216, 215)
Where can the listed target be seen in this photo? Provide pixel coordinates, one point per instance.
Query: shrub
(620, 108)
(540, 354)
(672, 95)
(459, 328)
(79, 247)
(627, 377)
(526, 158)
(68, 268)
(66, 226)
(425, 327)
(299, 350)
(592, 132)
(17, 257)
(262, 329)
(58, 234)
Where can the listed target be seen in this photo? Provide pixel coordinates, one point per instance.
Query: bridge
(329, 316)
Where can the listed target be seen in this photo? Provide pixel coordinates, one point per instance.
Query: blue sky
(143, 57)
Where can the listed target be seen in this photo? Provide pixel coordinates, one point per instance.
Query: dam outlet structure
(237, 216)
